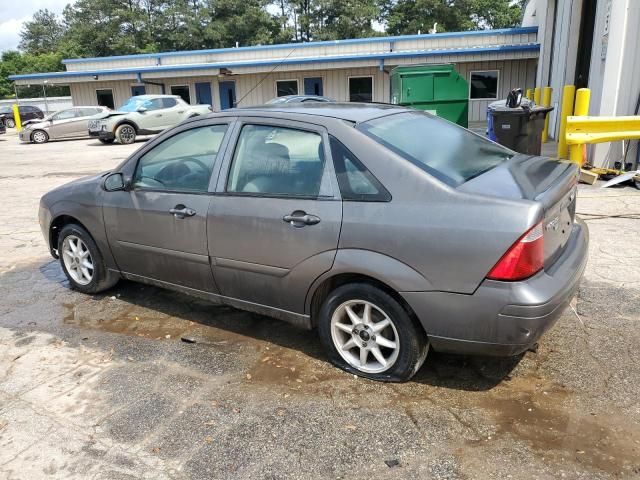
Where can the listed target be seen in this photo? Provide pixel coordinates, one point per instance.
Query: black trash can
(518, 128)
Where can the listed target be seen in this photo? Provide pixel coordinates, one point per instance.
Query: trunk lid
(552, 183)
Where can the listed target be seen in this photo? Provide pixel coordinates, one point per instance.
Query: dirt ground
(102, 387)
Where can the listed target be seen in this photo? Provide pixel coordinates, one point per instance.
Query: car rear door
(157, 228)
(274, 223)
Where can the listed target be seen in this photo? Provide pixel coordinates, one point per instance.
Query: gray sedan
(65, 124)
(388, 230)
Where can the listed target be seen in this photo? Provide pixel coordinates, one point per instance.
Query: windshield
(133, 104)
(447, 151)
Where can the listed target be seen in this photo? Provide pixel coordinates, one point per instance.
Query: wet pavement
(104, 387)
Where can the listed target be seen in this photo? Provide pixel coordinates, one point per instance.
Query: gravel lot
(101, 386)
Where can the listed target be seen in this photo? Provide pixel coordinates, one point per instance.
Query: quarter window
(361, 89)
(181, 163)
(277, 161)
(355, 181)
(286, 87)
(483, 85)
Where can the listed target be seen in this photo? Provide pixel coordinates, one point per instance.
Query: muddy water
(526, 407)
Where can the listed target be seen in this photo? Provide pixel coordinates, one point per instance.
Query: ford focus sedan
(388, 230)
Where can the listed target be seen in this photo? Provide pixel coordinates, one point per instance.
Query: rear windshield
(447, 151)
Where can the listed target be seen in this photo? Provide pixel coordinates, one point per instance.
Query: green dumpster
(438, 89)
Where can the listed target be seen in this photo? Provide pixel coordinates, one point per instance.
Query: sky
(14, 12)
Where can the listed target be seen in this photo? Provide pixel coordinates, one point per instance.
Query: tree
(41, 34)
(13, 62)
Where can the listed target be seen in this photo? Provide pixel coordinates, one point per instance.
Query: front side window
(153, 104)
(361, 89)
(181, 163)
(483, 85)
(276, 161)
(132, 104)
(286, 87)
(64, 115)
(450, 153)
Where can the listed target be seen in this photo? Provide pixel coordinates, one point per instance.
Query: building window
(484, 85)
(286, 87)
(361, 89)
(182, 91)
(105, 98)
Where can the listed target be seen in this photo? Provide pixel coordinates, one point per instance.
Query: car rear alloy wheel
(39, 136)
(11, 123)
(367, 331)
(126, 134)
(77, 259)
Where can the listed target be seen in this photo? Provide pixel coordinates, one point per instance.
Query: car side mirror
(141, 109)
(115, 182)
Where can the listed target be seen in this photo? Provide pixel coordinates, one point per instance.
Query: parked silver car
(65, 124)
(388, 229)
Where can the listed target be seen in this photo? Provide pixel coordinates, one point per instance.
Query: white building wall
(258, 87)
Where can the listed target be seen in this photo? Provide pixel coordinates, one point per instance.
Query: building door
(203, 93)
(227, 94)
(313, 86)
(137, 90)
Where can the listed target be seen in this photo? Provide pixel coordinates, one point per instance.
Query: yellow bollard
(16, 117)
(536, 95)
(568, 95)
(528, 95)
(583, 97)
(546, 102)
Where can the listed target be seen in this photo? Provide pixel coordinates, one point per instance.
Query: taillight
(523, 259)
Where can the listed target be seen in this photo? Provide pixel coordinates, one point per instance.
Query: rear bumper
(503, 318)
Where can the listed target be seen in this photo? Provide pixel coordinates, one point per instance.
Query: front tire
(82, 261)
(39, 136)
(365, 331)
(126, 134)
(107, 141)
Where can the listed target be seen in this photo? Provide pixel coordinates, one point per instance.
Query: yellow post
(16, 117)
(546, 102)
(583, 97)
(528, 95)
(536, 95)
(568, 95)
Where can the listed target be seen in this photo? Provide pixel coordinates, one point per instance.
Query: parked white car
(144, 115)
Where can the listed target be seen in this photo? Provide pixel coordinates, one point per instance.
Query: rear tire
(365, 331)
(82, 261)
(39, 136)
(126, 134)
(11, 123)
(107, 141)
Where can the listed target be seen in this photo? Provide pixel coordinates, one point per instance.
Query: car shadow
(217, 322)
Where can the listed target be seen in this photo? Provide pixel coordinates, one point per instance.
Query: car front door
(157, 227)
(64, 123)
(153, 117)
(275, 220)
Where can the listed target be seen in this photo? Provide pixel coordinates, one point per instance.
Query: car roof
(352, 112)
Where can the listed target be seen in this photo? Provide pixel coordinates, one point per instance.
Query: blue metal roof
(287, 61)
(503, 31)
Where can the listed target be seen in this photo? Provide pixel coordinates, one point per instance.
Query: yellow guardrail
(583, 130)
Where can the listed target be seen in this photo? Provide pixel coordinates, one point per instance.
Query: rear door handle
(300, 219)
(180, 211)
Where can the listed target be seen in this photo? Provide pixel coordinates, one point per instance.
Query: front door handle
(180, 211)
(300, 219)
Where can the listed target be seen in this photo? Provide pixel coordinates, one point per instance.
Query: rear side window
(450, 153)
(169, 102)
(355, 181)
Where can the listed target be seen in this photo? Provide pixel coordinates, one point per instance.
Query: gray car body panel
(431, 243)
